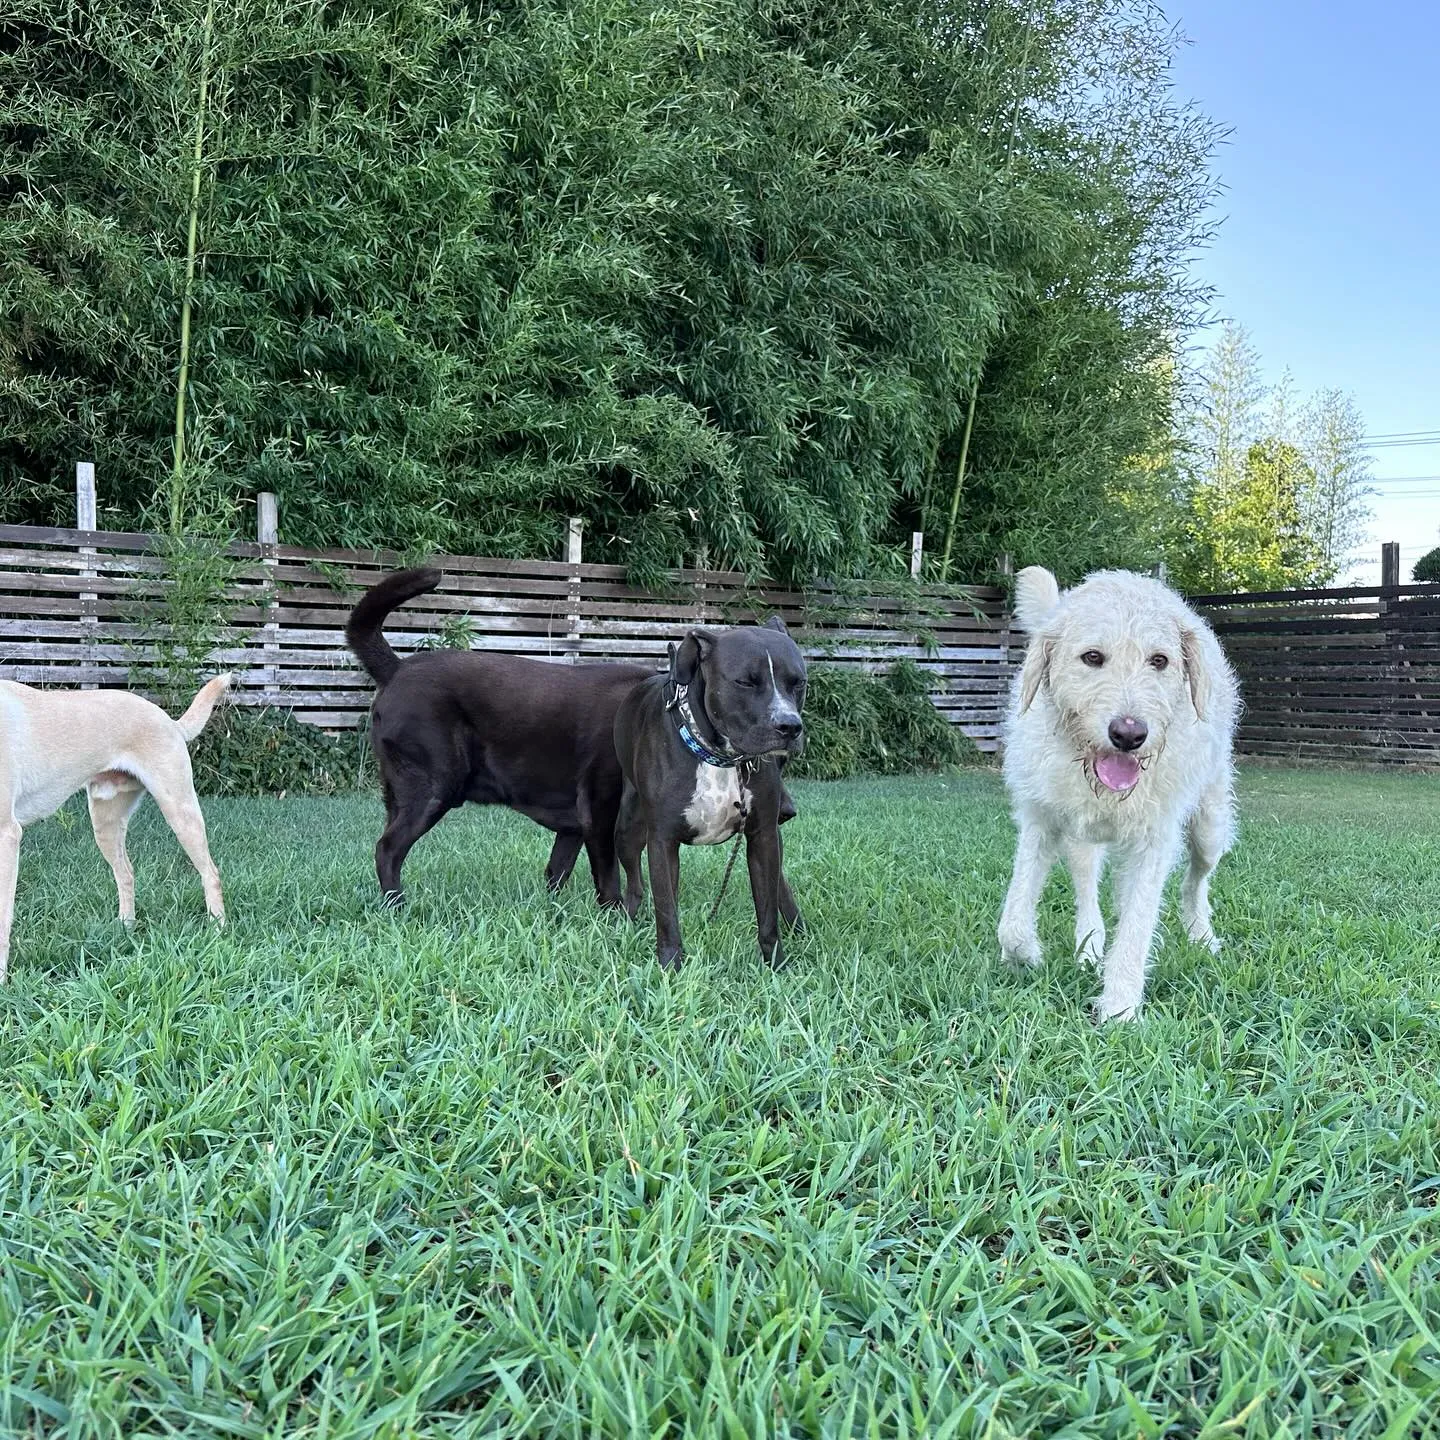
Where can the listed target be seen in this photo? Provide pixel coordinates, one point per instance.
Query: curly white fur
(1119, 647)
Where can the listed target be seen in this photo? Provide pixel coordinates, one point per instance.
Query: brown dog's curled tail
(362, 631)
(195, 719)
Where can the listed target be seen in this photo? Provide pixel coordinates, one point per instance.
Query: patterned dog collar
(686, 728)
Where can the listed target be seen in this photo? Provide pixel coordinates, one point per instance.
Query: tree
(1229, 420)
(1275, 496)
(1427, 568)
(1250, 533)
(1337, 505)
(1221, 423)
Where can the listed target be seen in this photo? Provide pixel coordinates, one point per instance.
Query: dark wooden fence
(1349, 674)
(1335, 674)
(74, 607)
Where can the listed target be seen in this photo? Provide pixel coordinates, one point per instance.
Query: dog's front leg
(1034, 855)
(664, 853)
(762, 859)
(9, 869)
(1085, 862)
(1142, 884)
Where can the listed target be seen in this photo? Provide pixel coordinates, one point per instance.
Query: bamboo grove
(775, 282)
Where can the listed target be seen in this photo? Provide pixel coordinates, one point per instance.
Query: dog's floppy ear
(687, 657)
(1035, 671)
(1197, 674)
(775, 623)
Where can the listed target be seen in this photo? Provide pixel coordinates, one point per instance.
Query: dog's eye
(1093, 658)
(745, 684)
(1159, 662)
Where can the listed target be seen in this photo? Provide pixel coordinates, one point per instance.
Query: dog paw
(1089, 954)
(1208, 938)
(1023, 956)
(1114, 1009)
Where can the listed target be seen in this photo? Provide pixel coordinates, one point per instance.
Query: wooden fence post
(1389, 573)
(917, 553)
(1159, 571)
(1390, 565)
(574, 541)
(85, 520)
(267, 533)
(1394, 639)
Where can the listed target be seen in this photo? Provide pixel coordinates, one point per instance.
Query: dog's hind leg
(9, 870)
(604, 866)
(1019, 938)
(1207, 837)
(597, 826)
(1085, 863)
(182, 813)
(562, 859)
(112, 802)
(412, 816)
(630, 834)
(789, 910)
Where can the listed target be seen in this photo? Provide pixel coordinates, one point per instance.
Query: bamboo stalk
(959, 482)
(177, 490)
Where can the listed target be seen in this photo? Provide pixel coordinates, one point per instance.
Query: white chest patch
(718, 807)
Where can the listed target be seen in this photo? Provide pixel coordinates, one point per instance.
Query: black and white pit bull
(701, 748)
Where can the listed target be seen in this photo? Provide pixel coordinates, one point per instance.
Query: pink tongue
(1117, 772)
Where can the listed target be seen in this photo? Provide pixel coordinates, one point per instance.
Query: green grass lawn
(482, 1169)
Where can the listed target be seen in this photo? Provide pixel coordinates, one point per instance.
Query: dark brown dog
(453, 725)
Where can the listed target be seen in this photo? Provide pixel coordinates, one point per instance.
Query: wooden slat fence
(1350, 674)
(1335, 674)
(73, 607)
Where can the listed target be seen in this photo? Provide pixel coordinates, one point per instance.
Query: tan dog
(116, 745)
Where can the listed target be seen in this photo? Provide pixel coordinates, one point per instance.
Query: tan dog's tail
(194, 720)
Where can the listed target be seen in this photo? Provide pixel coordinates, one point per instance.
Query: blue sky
(1329, 247)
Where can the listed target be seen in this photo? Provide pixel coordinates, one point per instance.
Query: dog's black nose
(1128, 733)
(788, 729)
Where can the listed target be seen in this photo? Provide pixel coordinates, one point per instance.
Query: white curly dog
(1118, 739)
